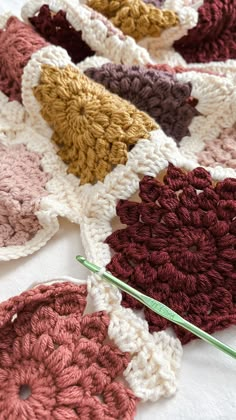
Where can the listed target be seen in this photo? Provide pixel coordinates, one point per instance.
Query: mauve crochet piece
(154, 91)
(22, 185)
(178, 247)
(55, 362)
(214, 37)
(220, 150)
(56, 29)
(17, 43)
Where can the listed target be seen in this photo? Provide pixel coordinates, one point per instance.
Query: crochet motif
(156, 92)
(55, 362)
(221, 150)
(179, 248)
(22, 184)
(56, 29)
(17, 43)
(93, 128)
(214, 37)
(135, 18)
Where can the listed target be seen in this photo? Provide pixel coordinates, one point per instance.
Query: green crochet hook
(157, 307)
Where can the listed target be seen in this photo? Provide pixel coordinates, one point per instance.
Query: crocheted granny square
(169, 231)
(55, 361)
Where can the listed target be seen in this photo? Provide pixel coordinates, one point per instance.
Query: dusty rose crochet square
(55, 361)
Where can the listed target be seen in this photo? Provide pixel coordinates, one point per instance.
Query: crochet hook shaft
(157, 307)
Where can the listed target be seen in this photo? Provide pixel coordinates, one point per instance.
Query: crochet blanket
(109, 119)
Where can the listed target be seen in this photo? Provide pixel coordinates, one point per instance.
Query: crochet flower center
(55, 362)
(179, 246)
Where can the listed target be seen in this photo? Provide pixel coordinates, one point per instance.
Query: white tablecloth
(207, 379)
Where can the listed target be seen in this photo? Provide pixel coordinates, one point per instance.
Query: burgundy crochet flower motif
(214, 37)
(56, 29)
(179, 247)
(54, 363)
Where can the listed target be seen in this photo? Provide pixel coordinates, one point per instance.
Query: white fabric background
(207, 380)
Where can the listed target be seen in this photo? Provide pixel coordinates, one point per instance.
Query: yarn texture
(89, 119)
(22, 184)
(56, 29)
(214, 37)
(17, 43)
(109, 41)
(94, 129)
(178, 247)
(156, 92)
(135, 18)
(60, 357)
(221, 150)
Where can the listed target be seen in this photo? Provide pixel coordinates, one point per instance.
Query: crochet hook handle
(157, 307)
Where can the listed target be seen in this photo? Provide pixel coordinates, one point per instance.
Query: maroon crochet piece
(179, 247)
(214, 37)
(18, 42)
(154, 91)
(57, 30)
(55, 362)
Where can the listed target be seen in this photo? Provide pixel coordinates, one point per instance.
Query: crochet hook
(157, 307)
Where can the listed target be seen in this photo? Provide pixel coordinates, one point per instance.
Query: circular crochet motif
(154, 91)
(22, 184)
(56, 29)
(214, 37)
(136, 18)
(54, 363)
(179, 246)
